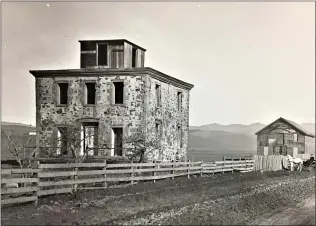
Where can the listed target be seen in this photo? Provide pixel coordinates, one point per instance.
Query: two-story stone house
(111, 98)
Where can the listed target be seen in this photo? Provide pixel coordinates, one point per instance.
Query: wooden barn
(283, 137)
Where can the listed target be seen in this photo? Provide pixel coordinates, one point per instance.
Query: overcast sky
(249, 62)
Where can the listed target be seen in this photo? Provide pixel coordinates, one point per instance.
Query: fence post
(232, 159)
(189, 165)
(36, 184)
(193, 156)
(154, 173)
(246, 164)
(223, 164)
(75, 186)
(104, 170)
(172, 170)
(132, 174)
(201, 168)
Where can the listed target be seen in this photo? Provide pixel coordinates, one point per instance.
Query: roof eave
(145, 70)
(287, 121)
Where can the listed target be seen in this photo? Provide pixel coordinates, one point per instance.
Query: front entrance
(118, 141)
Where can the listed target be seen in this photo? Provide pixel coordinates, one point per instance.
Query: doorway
(118, 141)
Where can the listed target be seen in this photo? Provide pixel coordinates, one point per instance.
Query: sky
(249, 62)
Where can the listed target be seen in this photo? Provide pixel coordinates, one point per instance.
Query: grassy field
(215, 155)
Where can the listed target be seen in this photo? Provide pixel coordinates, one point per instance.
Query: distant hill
(234, 128)
(19, 133)
(17, 128)
(220, 140)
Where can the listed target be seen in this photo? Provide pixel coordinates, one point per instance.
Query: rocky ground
(220, 199)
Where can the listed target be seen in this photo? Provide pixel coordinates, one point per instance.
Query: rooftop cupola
(118, 53)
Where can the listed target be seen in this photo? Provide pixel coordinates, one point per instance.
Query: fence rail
(48, 179)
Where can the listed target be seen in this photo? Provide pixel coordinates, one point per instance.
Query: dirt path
(222, 199)
(301, 214)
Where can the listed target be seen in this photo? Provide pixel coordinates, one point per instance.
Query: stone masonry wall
(49, 115)
(170, 118)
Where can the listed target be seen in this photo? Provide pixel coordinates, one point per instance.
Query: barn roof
(291, 123)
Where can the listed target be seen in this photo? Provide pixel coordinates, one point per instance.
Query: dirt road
(220, 199)
(301, 214)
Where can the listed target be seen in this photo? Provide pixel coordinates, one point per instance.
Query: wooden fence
(49, 179)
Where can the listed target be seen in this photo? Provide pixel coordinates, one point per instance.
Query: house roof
(110, 72)
(291, 123)
(114, 40)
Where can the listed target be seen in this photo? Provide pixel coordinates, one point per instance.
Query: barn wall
(260, 150)
(309, 145)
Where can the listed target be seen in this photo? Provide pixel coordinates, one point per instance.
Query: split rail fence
(50, 179)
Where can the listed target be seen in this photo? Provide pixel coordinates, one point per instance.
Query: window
(180, 136)
(102, 54)
(90, 93)
(62, 94)
(62, 141)
(118, 92)
(117, 141)
(271, 141)
(90, 138)
(134, 57)
(179, 97)
(158, 95)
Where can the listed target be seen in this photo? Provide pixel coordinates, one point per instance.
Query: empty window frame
(157, 130)
(180, 136)
(90, 93)
(117, 133)
(62, 93)
(102, 58)
(62, 141)
(179, 101)
(158, 95)
(90, 138)
(118, 92)
(134, 51)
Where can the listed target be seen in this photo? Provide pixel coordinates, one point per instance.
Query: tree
(21, 151)
(141, 146)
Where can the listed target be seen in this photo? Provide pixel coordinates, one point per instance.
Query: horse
(293, 161)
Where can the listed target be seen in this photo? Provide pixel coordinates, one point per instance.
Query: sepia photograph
(157, 113)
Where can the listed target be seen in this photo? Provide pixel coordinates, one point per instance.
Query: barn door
(265, 150)
(294, 152)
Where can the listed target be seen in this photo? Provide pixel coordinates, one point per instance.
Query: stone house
(115, 99)
(283, 137)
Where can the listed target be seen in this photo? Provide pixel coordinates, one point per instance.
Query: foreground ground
(249, 198)
(303, 213)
